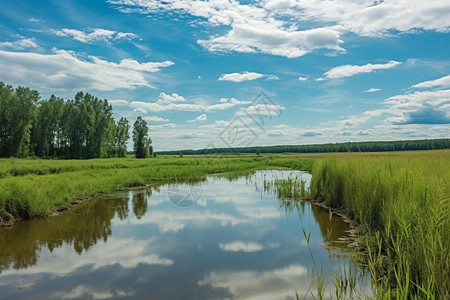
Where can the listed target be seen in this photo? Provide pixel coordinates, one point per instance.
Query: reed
(402, 206)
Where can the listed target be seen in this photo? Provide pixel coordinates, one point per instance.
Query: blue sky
(237, 73)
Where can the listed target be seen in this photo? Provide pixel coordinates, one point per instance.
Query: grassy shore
(400, 200)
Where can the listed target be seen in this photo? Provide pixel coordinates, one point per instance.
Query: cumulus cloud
(443, 81)
(252, 28)
(424, 115)
(428, 107)
(273, 26)
(176, 106)
(350, 70)
(20, 44)
(419, 108)
(269, 39)
(65, 70)
(368, 17)
(245, 76)
(302, 78)
(94, 35)
(166, 98)
(200, 118)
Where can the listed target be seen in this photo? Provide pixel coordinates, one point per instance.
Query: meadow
(399, 200)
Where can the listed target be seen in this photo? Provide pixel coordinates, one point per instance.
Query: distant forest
(326, 148)
(79, 128)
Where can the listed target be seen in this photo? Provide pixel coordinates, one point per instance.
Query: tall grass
(402, 206)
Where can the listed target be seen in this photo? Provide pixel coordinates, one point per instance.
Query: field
(400, 201)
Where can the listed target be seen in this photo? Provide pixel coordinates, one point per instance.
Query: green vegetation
(141, 139)
(377, 146)
(400, 200)
(402, 205)
(79, 128)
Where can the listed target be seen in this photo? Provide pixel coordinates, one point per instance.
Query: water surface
(212, 240)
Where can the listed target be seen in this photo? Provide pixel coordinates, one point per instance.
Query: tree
(17, 114)
(121, 137)
(141, 139)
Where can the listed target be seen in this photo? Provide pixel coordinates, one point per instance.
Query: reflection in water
(237, 241)
(140, 203)
(82, 226)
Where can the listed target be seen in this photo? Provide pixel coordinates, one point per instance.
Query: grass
(400, 200)
(402, 205)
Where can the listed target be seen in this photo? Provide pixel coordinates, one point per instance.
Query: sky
(227, 73)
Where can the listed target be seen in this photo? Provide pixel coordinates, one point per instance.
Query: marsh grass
(287, 188)
(402, 206)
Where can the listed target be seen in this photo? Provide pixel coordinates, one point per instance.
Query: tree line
(377, 146)
(79, 128)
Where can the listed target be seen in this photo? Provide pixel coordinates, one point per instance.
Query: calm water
(213, 240)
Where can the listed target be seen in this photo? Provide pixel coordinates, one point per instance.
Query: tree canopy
(82, 127)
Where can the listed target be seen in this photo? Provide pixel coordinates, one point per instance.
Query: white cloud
(301, 78)
(372, 90)
(240, 246)
(246, 76)
(189, 135)
(368, 17)
(155, 119)
(443, 81)
(157, 106)
(270, 39)
(262, 110)
(252, 28)
(166, 99)
(272, 26)
(20, 44)
(94, 35)
(140, 110)
(350, 70)
(118, 102)
(65, 70)
(200, 118)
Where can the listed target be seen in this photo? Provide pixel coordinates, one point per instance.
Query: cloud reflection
(273, 284)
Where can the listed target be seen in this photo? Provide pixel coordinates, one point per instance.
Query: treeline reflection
(82, 226)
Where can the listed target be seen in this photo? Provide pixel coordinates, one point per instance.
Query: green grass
(402, 205)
